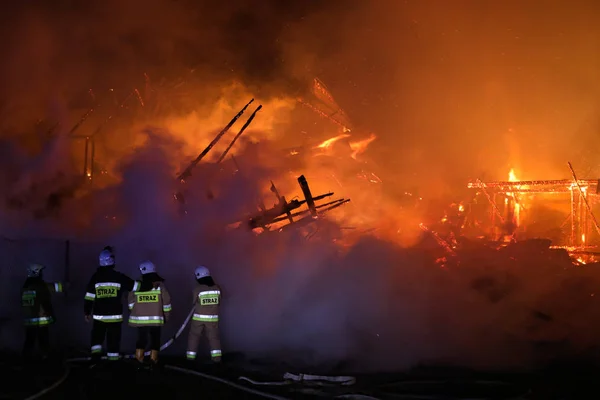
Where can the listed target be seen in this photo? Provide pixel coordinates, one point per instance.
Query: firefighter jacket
(150, 308)
(36, 301)
(103, 297)
(207, 300)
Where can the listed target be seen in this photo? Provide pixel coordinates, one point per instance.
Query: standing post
(493, 218)
(572, 217)
(579, 224)
(91, 170)
(85, 160)
(67, 260)
(585, 200)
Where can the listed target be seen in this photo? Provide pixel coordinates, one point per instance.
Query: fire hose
(288, 378)
(163, 347)
(343, 380)
(174, 368)
(50, 388)
(380, 392)
(64, 377)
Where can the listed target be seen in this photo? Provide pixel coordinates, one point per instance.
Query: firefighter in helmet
(104, 305)
(37, 309)
(207, 299)
(149, 312)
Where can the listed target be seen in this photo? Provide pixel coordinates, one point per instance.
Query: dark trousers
(111, 331)
(36, 335)
(151, 332)
(211, 329)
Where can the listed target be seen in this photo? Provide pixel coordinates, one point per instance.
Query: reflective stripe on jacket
(103, 297)
(207, 300)
(36, 302)
(151, 307)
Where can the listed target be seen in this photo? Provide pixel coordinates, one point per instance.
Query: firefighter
(207, 298)
(103, 305)
(37, 308)
(149, 311)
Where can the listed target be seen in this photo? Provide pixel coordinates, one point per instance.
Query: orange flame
(329, 142)
(512, 177)
(360, 146)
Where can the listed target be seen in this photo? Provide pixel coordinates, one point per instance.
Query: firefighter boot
(154, 359)
(139, 355)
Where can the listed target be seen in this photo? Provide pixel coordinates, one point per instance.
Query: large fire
(339, 162)
(334, 160)
(514, 200)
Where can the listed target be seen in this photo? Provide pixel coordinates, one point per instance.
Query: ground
(564, 380)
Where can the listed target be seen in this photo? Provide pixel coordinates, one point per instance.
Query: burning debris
(149, 101)
(188, 171)
(516, 211)
(280, 216)
(283, 213)
(325, 106)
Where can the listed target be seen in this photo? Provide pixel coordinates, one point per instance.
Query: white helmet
(34, 270)
(106, 258)
(201, 272)
(147, 267)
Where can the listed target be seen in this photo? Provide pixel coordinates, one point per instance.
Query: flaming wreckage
(284, 213)
(46, 198)
(504, 213)
(498, 213)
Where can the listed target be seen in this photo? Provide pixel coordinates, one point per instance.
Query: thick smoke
(450, 91)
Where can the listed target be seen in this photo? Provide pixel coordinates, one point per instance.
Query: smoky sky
(461, 89)
(453, 89)
(60, 45)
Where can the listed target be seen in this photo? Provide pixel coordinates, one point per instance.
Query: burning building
(512, 210)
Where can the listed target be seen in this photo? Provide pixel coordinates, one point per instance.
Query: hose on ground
(226, 382)
(50, 388)
(192, 372)
(315, 380)
(289, 378)
(164, 346)
(318, 380)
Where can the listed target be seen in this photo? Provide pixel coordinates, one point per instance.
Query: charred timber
(262, 221)
(188, 171)
(324, 114)
(283, 209)
(312, 218)
(81, 121)
(310, 201)
(248, 122)
(300, 213)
